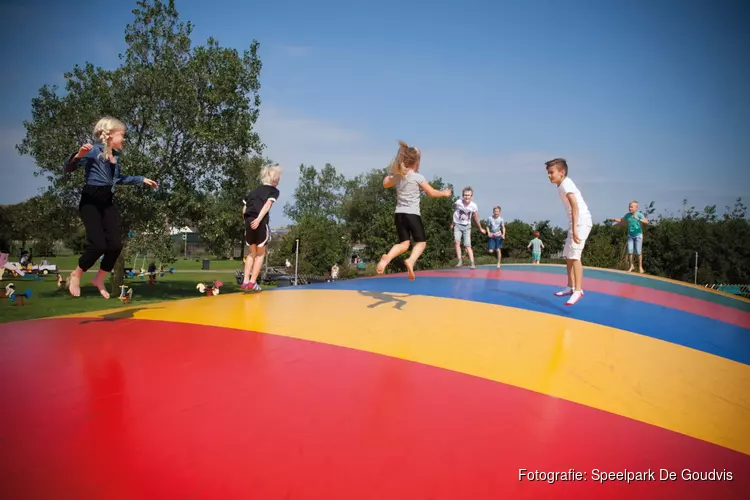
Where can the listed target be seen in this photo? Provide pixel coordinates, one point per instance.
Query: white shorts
(572, 249)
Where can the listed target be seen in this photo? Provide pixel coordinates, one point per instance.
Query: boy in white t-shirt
(579, 227)
(464, 210)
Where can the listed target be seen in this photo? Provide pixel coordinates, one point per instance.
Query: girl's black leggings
(103, 228)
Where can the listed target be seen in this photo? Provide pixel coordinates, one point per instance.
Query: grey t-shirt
(407, 193)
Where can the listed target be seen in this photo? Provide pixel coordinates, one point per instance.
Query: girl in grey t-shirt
(404, 175)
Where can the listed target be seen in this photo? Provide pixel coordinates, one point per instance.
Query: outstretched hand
(149, 182)
(447, 192)
(84, 150)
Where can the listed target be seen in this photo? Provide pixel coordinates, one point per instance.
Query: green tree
(368, 209)
(317, 194)
(322, 243)
(222, 229)
(190, 113)
(317, 211)
(437, 214)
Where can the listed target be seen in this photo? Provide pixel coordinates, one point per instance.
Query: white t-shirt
(462, 214)
(568, 186)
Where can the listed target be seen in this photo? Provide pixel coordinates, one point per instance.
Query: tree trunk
(118, 276)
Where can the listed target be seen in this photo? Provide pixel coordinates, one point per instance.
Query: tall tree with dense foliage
(190, 113)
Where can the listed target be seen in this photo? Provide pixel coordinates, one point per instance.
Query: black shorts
(409, 226)
(258, 237)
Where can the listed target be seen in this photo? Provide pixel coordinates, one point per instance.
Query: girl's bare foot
(410, 269)
(381, 265)
(642, 271)
(98, 282)
(74, 285)
(632, 268)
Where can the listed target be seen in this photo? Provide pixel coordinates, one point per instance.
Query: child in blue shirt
(98, 212)
(536, 247)
(496, 233)
(634, 218)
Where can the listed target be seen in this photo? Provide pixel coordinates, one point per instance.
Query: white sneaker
(575, 297)
(459, 264)
(565, 291)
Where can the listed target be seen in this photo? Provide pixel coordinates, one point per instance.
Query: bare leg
(578, 275)
(75, 282)
(632, 267)
(248, 264)
(394, 252)
(571, 275)
(458, 253)
(578, 279)
(257, 264)
(640, 262)
(415, 253)
(499, 257)
(98, 281)
(470, 253)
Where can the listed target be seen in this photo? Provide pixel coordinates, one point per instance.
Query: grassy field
(46, 300)
(69, 262)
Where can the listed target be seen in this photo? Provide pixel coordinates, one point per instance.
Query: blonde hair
(406, 158)
(634, 201)
(269, 173)
(103, 131)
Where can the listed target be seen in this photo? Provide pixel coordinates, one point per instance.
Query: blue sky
(647, 100)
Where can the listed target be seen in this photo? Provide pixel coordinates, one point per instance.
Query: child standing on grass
(404, 175)
(97, 207)
(465, 210)
(255, 210)
(634, 218)
(579, 228)
(536, 247)
(496, 233)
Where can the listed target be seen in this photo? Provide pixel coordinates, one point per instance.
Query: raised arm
(434, 193)
(72, 163)
(132, 180)
(389, 181)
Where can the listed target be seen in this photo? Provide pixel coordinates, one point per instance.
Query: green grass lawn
(46, 300)
(69, 262)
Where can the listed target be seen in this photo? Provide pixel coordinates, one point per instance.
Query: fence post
(695, 279)
(296, 261)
